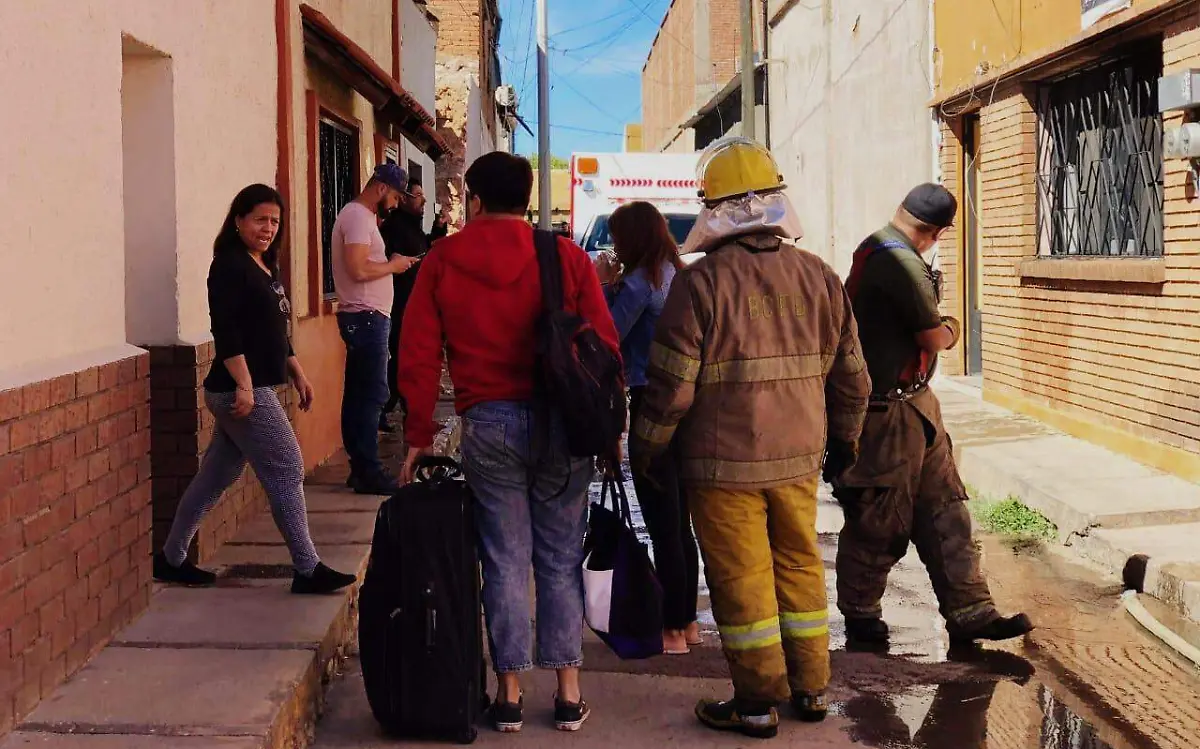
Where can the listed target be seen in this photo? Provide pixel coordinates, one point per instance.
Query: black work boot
(810, 708)
(322, 581)
(872, 630)
(185, 574)
(757, 723)
(1004, 628)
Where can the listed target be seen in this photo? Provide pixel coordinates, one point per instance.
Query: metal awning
(710, 106)
(352, 64)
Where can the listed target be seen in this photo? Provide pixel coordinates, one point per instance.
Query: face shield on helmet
(743, 194)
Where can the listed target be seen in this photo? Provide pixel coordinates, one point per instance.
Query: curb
(1176, 585)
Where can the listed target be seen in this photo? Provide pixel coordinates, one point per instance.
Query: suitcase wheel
(467, 735)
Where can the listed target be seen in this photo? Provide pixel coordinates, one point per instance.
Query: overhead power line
(574, 129)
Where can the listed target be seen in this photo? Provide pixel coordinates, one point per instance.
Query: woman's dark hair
(243, 205)
(502, 182)
(642, 239)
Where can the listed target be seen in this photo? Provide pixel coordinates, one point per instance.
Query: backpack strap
(550, 270)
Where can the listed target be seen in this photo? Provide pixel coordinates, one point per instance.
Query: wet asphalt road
(1088, 678)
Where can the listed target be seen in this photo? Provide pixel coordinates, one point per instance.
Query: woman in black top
(250, 317)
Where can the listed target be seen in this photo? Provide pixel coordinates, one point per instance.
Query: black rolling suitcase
(419, 628)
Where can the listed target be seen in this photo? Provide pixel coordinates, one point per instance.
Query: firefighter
(755, 359)
(905, 486)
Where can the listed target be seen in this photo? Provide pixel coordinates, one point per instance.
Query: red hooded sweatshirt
(479, 293)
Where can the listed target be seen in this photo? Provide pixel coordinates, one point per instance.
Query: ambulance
(601, 182)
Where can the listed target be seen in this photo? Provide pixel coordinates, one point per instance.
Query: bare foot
(674, 643)
(692, 634)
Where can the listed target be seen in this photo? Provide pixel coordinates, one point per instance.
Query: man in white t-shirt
(362, 277)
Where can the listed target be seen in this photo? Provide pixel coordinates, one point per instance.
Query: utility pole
(748, 87)
(543, 74)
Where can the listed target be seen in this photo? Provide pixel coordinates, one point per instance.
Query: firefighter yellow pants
(767, 582)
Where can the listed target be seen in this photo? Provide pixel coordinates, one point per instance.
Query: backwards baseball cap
(931, 203)
(392, 176)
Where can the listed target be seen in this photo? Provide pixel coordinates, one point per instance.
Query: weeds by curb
(1011, 518)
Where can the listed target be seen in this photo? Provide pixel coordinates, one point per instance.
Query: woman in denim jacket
(644, 247)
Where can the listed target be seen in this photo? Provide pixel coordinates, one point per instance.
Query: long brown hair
(642, 239)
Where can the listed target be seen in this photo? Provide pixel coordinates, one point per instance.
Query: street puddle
(967, 715)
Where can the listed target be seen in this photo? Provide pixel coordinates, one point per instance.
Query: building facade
(468, 74)
(105, 329)
(849, 84)
(1074, 258)
(693, 59)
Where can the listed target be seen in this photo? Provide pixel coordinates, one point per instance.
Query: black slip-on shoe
(185, 574)
(321, 582)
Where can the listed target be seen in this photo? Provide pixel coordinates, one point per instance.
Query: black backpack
(576, 374)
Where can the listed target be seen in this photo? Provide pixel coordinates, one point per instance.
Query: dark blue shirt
(635, 307)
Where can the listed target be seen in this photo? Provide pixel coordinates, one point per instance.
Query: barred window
(338, 150)
(1100, 169)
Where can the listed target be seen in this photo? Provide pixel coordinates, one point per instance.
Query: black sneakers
(185, 574)
(570, 716)
(1004, 628)
(322, 581)
(725, 716)
(507, 717)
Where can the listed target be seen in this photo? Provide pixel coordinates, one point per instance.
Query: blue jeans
(527, 512)
(366, 338)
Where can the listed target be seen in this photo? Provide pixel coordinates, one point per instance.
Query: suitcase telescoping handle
(430, 618)
(437, 468)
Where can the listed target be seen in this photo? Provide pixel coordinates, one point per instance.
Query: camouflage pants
(906, 488)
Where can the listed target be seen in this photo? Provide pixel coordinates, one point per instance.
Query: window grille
(1100, 170)
(337, 189)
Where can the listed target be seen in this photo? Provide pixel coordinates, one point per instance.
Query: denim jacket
(635, 307)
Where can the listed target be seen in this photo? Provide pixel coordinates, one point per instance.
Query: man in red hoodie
(479, 295)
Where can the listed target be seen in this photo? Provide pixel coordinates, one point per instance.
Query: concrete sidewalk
(1106, 506)
(241, 665)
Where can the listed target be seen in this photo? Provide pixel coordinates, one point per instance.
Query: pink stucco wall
(62, 243)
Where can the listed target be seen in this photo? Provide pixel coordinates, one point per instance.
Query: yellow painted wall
(996, 32)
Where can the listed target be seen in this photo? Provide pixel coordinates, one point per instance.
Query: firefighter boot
(868, 631)
(810, 708)
(755, 721)
(1004, 628)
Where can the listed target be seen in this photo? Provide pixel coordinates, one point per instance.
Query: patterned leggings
(265, 439)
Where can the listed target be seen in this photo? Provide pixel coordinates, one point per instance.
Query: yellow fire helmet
(735, 166)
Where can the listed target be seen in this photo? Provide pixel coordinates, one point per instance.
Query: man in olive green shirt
(905, 486)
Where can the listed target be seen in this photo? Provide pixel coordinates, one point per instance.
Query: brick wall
(459, 27)
(681, 74)
(74, 523)
(669, 79)
(1117, 354)
(182, 431)
(725, 37)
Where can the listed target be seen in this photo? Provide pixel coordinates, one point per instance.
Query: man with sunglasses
(905, 486)
(404, 234)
